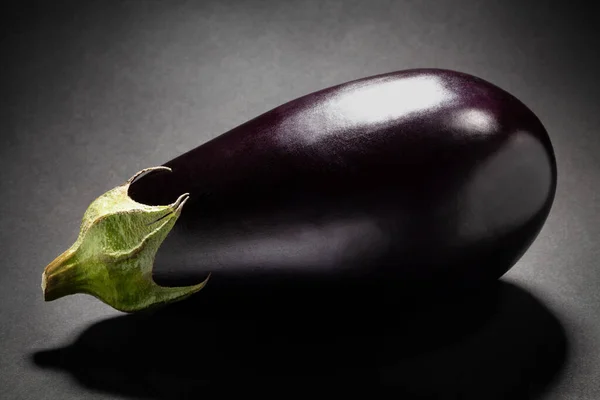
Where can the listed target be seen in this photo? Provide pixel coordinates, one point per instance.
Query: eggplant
(423, 178)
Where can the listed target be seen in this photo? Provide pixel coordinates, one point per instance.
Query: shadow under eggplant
(495, 343)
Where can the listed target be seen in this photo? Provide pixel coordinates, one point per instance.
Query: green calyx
(113, 255)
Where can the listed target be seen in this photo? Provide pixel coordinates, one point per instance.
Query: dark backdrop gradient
(93, 91)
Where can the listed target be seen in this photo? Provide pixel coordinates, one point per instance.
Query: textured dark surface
(93, 93)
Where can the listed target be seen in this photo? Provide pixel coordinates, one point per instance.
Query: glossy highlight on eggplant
(411, 179)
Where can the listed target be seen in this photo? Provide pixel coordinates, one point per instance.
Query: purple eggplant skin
(411, 179)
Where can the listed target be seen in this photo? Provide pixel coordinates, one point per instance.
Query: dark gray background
(93, 92)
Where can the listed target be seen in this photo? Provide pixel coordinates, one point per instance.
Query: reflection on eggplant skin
(324, 247)
(474, 121)
(500, 343)
(379, 102)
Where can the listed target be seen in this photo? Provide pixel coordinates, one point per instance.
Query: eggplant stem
(113, 256)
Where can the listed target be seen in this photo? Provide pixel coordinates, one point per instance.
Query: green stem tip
(113, 255)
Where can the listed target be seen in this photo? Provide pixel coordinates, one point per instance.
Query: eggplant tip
(44, 284)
